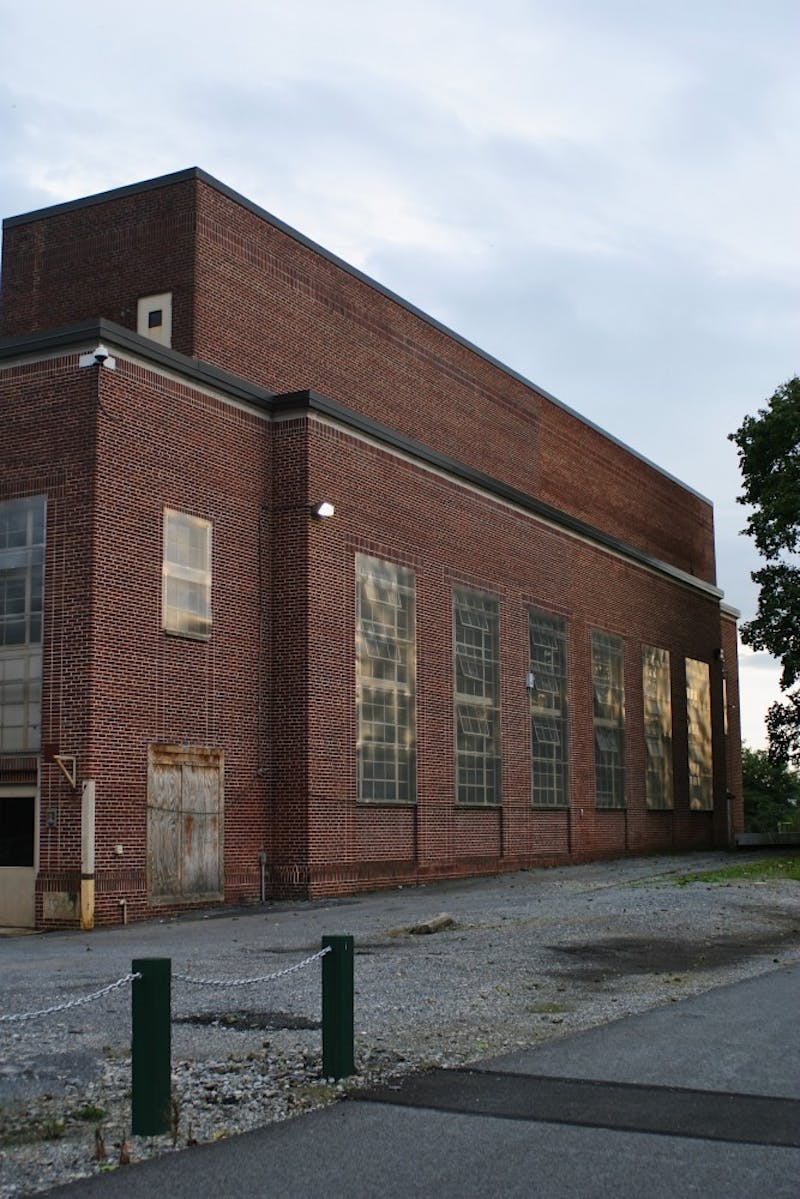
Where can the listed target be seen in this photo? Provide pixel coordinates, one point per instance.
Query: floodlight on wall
(323, 510)
(99, 356)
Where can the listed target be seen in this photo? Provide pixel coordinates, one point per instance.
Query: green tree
(769, 459)
(771, 791)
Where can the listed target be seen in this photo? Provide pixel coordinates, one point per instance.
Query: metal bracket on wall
(67, 764)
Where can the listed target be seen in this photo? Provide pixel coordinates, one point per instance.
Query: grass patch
(90, 1111)
(772, 868)
(32, 1132)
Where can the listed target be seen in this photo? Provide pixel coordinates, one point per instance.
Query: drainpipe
(87, 855)
(262, 861)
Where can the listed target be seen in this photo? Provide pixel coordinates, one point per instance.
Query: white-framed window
(22, 544)
(386, 748)
(548, 704)
(186, 592)
(657, 700)
(154, 317)
(698, 716)
(608, 691)
(476, 687)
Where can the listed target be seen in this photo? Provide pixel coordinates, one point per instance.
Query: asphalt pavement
(698, 1097)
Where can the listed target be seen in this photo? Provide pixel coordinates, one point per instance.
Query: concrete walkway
(700, 1097)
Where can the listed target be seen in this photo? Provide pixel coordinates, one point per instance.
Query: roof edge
(115, 193)
(73, 336)
(313, 401)
(78, 335)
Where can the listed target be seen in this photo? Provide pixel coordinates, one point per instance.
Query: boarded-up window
(657, 699)
(184, 823)
(608, 688)
(698, 714)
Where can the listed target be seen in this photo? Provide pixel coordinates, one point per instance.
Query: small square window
(154, 317)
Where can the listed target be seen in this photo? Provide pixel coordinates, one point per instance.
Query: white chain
(246, 982)
(18, 1017)
(15, 1017)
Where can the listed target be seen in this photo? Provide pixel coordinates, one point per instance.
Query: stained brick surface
(274, 687)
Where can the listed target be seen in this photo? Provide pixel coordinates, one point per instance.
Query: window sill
(478, 807)
(180, 636)
(386, 803)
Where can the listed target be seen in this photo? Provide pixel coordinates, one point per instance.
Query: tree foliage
(771, 791)
(769, 459)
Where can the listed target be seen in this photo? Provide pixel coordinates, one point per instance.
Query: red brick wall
(47, 412)
(161, 444)
(272, 309)
(98, 260)
(113, 681)
(274, 688)
(393, 510)
(251, 299)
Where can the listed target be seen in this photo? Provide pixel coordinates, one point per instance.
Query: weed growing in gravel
(49, 1129)
(773, 868)
(89, 1111)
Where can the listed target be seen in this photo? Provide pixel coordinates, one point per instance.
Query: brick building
(504, 648)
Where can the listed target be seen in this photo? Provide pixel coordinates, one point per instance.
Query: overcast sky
(601, 193)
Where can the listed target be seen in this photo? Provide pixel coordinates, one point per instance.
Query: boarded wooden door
(184, 823)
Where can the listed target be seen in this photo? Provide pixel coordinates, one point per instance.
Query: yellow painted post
(87, 855)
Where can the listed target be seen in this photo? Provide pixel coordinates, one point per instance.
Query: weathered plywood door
(17, 857)
(185, 823)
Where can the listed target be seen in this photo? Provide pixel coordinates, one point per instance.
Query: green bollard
(151, 1065)
(337, 1008)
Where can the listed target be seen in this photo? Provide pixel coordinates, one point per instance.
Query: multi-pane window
(548, 702)
(698, 714)
(22, 534)
(657, 726)
(608, 690)
(186, 604)
(385, 681)
(476, 687)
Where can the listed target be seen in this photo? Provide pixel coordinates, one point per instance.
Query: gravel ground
(528, 957)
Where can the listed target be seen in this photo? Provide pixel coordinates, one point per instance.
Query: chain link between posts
(19, 1017)
(247, 982)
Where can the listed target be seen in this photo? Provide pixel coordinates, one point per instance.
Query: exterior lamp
(323, 510)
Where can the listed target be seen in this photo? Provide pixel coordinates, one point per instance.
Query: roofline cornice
(74, 338)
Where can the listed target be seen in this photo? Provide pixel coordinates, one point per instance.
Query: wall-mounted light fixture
(323, 510)
(99, 356)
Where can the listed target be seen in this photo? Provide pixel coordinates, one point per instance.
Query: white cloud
(604, 196)
(759, 686)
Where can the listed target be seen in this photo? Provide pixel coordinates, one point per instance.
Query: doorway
(18, 851)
